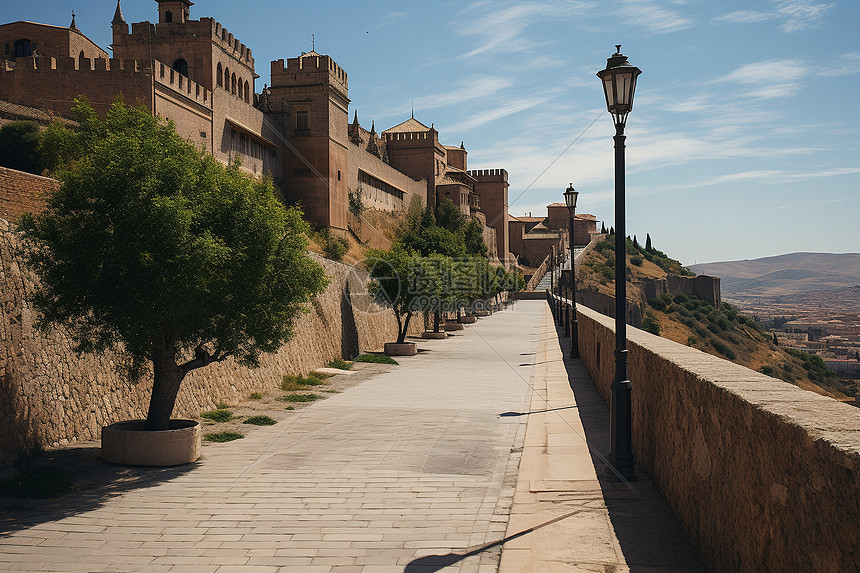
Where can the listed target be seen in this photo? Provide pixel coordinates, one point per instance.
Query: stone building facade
(297, 130)
(531, 239)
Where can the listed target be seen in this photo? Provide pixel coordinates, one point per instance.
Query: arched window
(227, 79)
(247, 95)
(82, 59)
(22, 48)
(218, 77)
(168, 16)
(181, 66)
(233, 84)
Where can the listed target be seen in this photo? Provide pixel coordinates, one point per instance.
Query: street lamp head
(619, 83)
(570, 199)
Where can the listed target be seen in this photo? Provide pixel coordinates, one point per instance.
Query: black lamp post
(570, 197)
(552, 282)
(619, 83)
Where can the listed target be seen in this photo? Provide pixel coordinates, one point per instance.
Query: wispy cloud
(767, 72)
(746, 17)
(391, 18)
(657, 20)
(795, 15)
(495, 113)
(777, 78)
(845, 64)
(500, 28)
(477, 88)
(802, 14)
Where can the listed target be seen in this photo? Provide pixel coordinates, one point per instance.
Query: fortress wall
(51, 396)
(22, 192)
(53, 84)
(762, 475)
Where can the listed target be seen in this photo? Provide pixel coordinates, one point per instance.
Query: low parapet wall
(763, 475)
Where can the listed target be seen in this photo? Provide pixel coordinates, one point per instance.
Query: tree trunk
(437, 318)
(401, 336)
(167, 377)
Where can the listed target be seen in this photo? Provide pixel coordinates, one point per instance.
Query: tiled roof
(408, 126)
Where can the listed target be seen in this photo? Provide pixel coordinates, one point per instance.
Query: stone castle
(296, 129)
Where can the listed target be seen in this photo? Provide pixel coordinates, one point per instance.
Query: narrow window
(168, 16)
(81, 59)
(218, 77)
(233, 84)
(22, 48)
(338, 174)
(302, 123)
(247, 94)
(227, 79)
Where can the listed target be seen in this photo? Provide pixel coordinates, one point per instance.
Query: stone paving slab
(414, 466)
(566, 517)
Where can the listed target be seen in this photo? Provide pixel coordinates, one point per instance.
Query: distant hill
(784, 274)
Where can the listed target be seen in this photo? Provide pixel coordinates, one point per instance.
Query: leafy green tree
(19, 146)
(473, 234)
(403, 281)
(157, 250)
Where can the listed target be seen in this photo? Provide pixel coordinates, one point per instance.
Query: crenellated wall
(51, 396)
(764, 476)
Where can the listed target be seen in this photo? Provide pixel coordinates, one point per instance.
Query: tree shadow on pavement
(93, 482)
(430, 563)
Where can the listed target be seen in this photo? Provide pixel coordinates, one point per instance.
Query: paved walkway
(566, 516)
(414, 462)
(416, 470)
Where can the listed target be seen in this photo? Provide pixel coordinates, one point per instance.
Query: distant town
(826, 323)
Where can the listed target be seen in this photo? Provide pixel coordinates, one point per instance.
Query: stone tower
(492, 187)
(310, 94)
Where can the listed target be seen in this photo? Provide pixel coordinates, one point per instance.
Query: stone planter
(401, 349)
(482, 313)
(450, 326)
(434, 335)
(468, 319)
(130, 444)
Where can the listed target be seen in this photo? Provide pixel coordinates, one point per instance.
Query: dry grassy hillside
(723, 332)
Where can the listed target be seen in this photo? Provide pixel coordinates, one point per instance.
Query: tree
(403, 281)
(775, 340)
(156, 250)
(602, 228)
(19, 146)
(648, 246)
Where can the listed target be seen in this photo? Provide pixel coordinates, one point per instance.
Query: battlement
(489, 174)
(411, 136)
(309, 63)
(163, 74)
(45, 64)
(206, 28)
(168, 77)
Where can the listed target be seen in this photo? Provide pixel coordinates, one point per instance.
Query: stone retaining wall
(22, 192)
(763, 475)
(50, 396)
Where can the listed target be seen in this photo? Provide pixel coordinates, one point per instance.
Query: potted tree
(403, 281)
(156, 250)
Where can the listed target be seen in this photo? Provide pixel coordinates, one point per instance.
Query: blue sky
(744, 140)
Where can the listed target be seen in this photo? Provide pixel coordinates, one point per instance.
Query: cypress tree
(648, 242)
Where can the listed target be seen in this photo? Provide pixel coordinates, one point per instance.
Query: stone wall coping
(821, 416)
